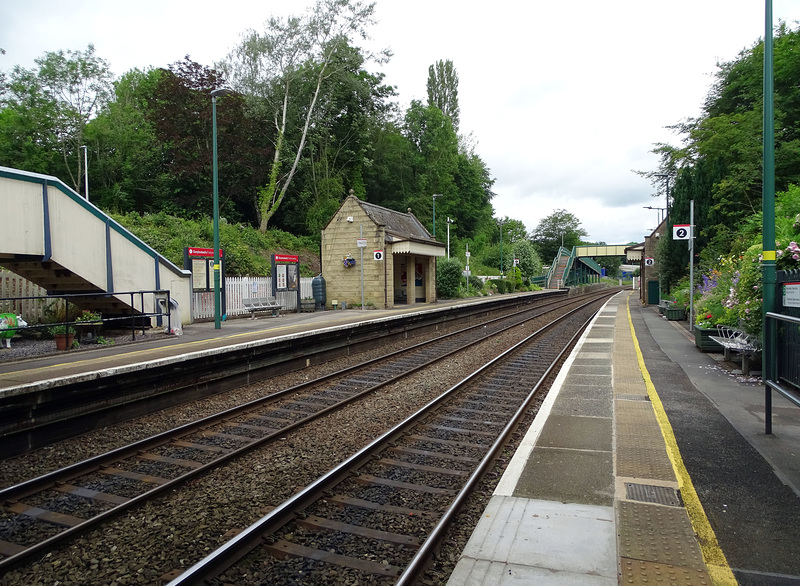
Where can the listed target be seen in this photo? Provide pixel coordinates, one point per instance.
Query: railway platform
(197, 337)
(647, 463)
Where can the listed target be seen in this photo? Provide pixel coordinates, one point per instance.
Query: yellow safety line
(716, 563)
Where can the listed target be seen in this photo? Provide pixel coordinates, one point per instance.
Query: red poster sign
(286, 258)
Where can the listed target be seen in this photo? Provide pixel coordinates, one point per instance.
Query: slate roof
(398, 226)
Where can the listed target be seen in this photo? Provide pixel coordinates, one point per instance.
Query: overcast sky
(564, 99)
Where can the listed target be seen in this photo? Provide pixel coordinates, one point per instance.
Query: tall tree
(69, 89)
(127, 174)
(267, 65)
(79, 83)
(560, 226)
(443, 90)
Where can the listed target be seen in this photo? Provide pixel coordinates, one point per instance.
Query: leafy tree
(559, 226)
(433, 162)
(443, 90)
(54, 104)
(79, 84)
(339, 142)
(530, 265)
(267, 66)
(28, 138)
(181, 115)
(126, 171)
(721, 149)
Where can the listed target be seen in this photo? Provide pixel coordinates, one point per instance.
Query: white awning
(409, 247)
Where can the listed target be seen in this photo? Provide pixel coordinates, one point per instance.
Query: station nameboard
(194, 252)
(286, 258)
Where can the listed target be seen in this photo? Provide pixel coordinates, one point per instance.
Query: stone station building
(399, 257)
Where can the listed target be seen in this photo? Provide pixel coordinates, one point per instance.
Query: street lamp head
(218, 93)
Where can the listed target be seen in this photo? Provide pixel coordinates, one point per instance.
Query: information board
(791, 294)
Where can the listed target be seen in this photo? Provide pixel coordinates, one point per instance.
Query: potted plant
(63, 335)
(88, 325)
(307, 304)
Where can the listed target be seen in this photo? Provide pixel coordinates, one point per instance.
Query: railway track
(378, 517)
(40, 513)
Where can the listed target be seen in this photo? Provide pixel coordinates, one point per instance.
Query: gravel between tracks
(176, 530)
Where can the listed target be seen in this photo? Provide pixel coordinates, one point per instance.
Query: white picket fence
(238, 288)
(12, 285)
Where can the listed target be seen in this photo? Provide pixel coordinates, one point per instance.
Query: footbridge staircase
(58, 240)
(577, 267)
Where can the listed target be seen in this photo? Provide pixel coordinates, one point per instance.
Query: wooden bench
(266, 304)
(733, 340)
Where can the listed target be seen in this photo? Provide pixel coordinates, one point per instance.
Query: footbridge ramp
(57, 239)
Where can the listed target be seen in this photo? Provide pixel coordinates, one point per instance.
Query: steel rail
(46, 481)
(232, 551)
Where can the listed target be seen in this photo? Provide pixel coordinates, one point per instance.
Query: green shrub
(448, 278)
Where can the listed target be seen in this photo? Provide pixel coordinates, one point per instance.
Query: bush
(448, 278)
(500, 284)
(475, 283)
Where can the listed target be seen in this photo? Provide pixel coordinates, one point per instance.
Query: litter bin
(173, 326)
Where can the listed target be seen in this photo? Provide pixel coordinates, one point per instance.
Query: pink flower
(796, 256)
(747, 310)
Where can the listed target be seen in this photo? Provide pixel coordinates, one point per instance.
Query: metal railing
(781, 361)
(138, 313)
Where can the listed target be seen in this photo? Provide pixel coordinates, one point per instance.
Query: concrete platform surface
(647, 463)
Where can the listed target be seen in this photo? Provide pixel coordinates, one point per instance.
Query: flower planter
(63, 341)
(88, 332)
(675, 313)
(704, 342)
(307, 305)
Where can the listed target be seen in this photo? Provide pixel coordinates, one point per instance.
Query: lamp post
(449, 221)
(666, 210)
(85, 172)
(435, 195)
(501, 247)
(659, 210)
(214, 95)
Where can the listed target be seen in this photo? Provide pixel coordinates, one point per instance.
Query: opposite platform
(599, 494)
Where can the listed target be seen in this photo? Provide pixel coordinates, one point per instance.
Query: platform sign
(286, 274)
(201, 262)
(377, 255)
(682, 232)
(791, 294)
(286, 258)
(649, 261)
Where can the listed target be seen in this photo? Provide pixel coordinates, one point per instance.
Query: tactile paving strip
(657, 534)
(642, 572)
(641, 452)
